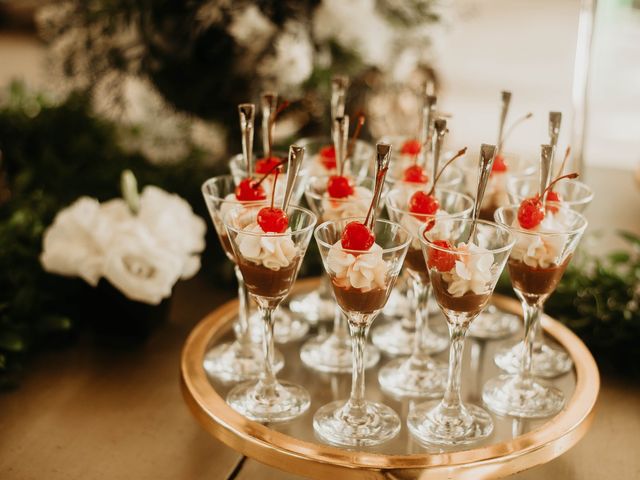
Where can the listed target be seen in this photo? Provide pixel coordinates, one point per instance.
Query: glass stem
(422, 294)
(452, 401)
(267, 381)
(242, 333)
(531, 321)
(355, 407)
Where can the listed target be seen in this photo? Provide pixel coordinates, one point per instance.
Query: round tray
(514, 446)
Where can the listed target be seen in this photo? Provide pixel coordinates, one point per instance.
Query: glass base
(332, 354)
(286, 328)
(493, 324)
(431, 423)
(231, 362)
(391, 338)
(284, 401)
(333, 424)
(409, 378)
(511, 395)
(547, 361)
(313, 307)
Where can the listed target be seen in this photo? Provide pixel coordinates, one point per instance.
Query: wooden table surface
(93, 413)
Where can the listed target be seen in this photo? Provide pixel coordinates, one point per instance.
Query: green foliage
(51, 155)
(599, 299)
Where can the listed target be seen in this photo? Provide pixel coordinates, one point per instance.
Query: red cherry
(266, 165)
(498, 165)
(411, 147)
(423, 203)
(530, 213)
(249, 191)
(553, 197)
(339, 187)
(356, 236)
(273, 220)
(441, 261)
(415, 174)
(328, 157)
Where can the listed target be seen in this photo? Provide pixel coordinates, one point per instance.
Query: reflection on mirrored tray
(478, 367)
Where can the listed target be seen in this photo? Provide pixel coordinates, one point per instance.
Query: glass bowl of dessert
(321, 157)
(570, 193)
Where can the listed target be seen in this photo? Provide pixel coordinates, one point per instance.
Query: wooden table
(91, 413)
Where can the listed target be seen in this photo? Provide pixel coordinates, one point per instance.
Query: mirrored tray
(514, 445)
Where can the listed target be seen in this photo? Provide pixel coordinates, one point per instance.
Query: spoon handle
(555, 119)
(268, 104)
(339, 85)
(296, 156)
(546, 163)
(383, 155)
(340, 132)
(505, 96)
(487, 155)
(440, 129)
(247, 113)
(426, 130)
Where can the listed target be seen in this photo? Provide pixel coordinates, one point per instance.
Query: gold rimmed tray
(514, 446)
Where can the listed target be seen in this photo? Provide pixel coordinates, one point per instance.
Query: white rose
(137, 266)
(69, 244)
(175, 227)
(251, 28)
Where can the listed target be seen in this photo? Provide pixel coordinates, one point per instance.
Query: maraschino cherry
(272, 219)
(499, 166)
(328, 157)
(415, 174)
(553, 196)
(531, 211)
(440, 260)
(249, 190)
(425, 203)
(340, 186)
(267, 164)
(411, 147)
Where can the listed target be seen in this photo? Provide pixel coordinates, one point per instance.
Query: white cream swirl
(472, 271)
(414, 224)
(271, 250)
(366, 271)
(355, 205)
(538, 250)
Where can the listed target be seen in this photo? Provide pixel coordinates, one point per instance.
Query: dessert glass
(287, 329)
(357, 421)
(462, 281)
(319, 305)
(241, 359)
(537, 262)
(548, 361)
(493, 323)
(421, 376)
(332, 353)
(269, 263)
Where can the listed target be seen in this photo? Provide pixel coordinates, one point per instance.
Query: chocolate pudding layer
(470, 302)
(356, 300)
(415, 262)
(535, 280)
(264, 282)
(486, 212)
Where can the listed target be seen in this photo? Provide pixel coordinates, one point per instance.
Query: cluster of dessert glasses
(435, 230)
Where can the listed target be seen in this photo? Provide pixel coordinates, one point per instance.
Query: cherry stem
(272, 123)
(275, 168)
(510, 130)
(352, 143)
(435, 180)
(381, 173)
(570, 176)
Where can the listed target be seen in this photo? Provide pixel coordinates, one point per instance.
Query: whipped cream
(472, 273)
(271, 250)
(366, 271)
(355, 205)
(542, 251)
(317, 168)
(413, 224)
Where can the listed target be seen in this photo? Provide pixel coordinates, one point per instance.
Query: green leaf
(619, 257)
(630, 237)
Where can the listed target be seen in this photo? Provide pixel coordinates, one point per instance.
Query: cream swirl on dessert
(538, 250)
(472, 271)
(365, 271)
(230, 203)
(414, 222)
(355, 205)
(274, 251)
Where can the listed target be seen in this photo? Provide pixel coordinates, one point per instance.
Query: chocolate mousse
(265, 282)
(535, 280)
(487, 212)
(416, 263)
(470, 302)
(356, 300)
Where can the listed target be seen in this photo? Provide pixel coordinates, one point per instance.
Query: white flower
(69, 244)
(251, 29)
(173, 224)
(137, 266)
(292, 61)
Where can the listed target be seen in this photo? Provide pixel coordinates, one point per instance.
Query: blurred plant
(599, 299)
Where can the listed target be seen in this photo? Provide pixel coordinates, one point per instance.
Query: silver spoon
(555, 119)
(426, 130)
(546, 163)
(505, 96)
(487, 155)
(339, 85)
(296, 156)
(383, 155)
(440, 129)
(340, 132)
(247, 113)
